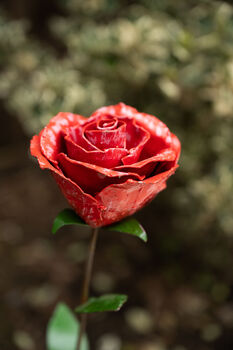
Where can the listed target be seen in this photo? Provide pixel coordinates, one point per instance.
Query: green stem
(86, 283)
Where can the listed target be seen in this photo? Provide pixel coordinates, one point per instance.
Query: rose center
(107, 123)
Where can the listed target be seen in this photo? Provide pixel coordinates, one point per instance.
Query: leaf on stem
(130, 226)
(63, 330)
(108, 302)
(66, 217)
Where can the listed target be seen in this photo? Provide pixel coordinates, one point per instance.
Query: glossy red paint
(110, 165)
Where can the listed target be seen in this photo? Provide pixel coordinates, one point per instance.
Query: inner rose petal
(154, 145)
(109, 158)
(137, 137)
(92, 178)
(106, 138)
(107, 123)
(77, 135)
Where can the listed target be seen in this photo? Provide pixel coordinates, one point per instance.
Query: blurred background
(173, 59)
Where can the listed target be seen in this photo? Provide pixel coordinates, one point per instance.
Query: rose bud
(109, 165)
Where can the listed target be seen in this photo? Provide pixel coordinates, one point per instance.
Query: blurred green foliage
(173, 59)
(170, 58)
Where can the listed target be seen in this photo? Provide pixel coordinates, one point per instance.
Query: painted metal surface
(110, 165)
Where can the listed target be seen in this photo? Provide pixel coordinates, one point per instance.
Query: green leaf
(130, 226)
(63, 330)
(66, 217)
(108, 302)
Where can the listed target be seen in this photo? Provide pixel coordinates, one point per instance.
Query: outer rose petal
(176, 146)
(117, 110)
(125, 199)
(106, 159)
(85, 205)
(51, 135)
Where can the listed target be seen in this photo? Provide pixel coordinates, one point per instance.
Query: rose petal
(135, 133)
(77, 135)
(121, 200)
(92, 178)
(106, 159)
(137, 137)
(51, 135)
(106, 138)
(84, 204)
(176, 146)
(147, 121)
(106, 123)
(117, 110)
(146, 166)
(161, 137)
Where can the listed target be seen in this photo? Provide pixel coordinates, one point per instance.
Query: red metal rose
(109, 165)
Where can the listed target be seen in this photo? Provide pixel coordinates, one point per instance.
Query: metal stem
(86, 283)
